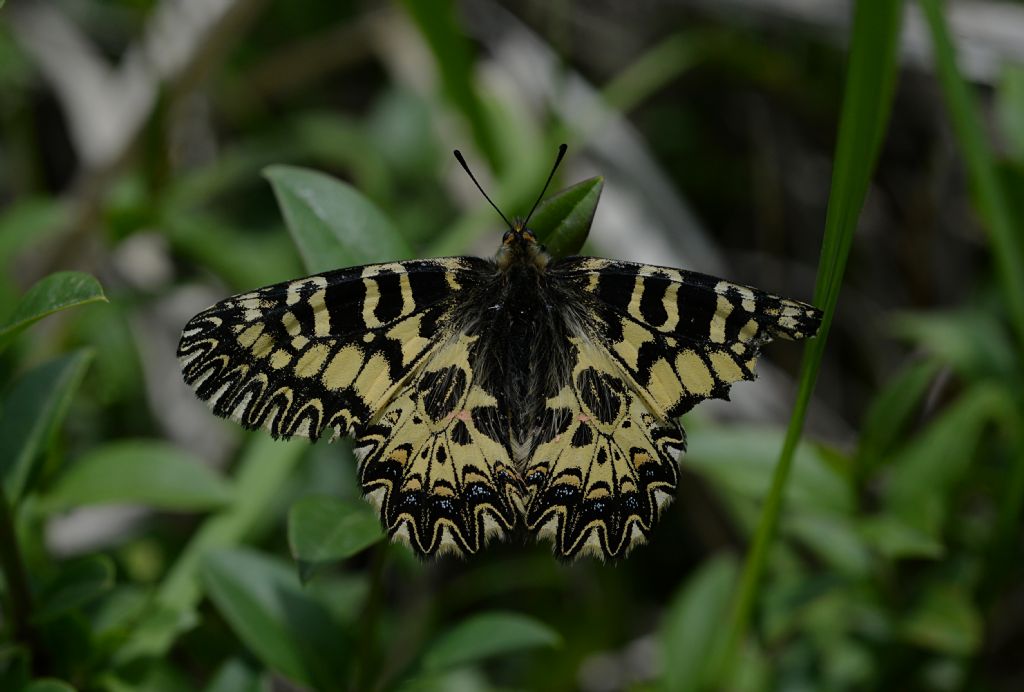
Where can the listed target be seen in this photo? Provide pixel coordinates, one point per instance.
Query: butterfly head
(519, 245)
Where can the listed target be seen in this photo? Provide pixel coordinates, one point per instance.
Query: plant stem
(16, 577)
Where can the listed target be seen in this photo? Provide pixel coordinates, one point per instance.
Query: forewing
(603, 464)
(324, 352)
(680, 336)
(437, 461)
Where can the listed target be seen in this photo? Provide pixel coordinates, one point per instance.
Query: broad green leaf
(288, 630)
(742, 459)
(235, 676)
(332, 224)
(562, 221)
(896, 539)
(692, 626)
(48, 685)
(945, 620)
(75, 585)
(485, 635)
(972, 341)
(28, 221)
(340, 142)
(927, 468)
(51, 294)
(32, 411)
(242, 259)
(263, 467)
(147, 472)
(324, 529)
(833, 537)
(891, 410)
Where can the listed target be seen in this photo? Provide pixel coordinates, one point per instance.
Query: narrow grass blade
(866, 105)
(990, 197)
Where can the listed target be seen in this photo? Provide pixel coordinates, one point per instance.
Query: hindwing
(324, 352)
(603, 463)
(437, 462)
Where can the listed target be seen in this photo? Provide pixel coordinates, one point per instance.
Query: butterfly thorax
(519, 246)
(520, 318)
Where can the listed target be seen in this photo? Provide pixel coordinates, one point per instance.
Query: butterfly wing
(654, 342)
(375, 352)
(603, 463)
(438, 464)
(681, 337)
(323, 352)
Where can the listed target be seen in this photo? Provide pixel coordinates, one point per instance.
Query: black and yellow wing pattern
(481, 397)
(656, 342)
(372, 352)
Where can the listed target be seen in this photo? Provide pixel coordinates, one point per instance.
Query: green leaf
(485, 635)
(832, 537)
(928, 468)
(263, 468)
(288, 630)
(972, 341)
(946, 621)
(74, 586)
(692, 626)
(332, 224)
(562, 221)
(741, 458)
(243, 259)
(14, 666)
(235, 676)
(324, 529)
(32, 411)
(891, 410)
(30, 221)
(146, 472)
(48, 685)
(50, 294)
(896, 539)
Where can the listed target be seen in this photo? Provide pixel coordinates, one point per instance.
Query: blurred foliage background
(148, 545)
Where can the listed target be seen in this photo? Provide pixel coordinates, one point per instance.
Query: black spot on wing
(583, 436)
(460, 434)
(615, 289)
(428, 287)
(652, 305)
(696, 308)
(442, 391)
(601, 394)
(389, 301)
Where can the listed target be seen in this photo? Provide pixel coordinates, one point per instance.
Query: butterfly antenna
(558, 159)
(461, 160)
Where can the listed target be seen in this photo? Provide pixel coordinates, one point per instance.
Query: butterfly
(486, 397)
